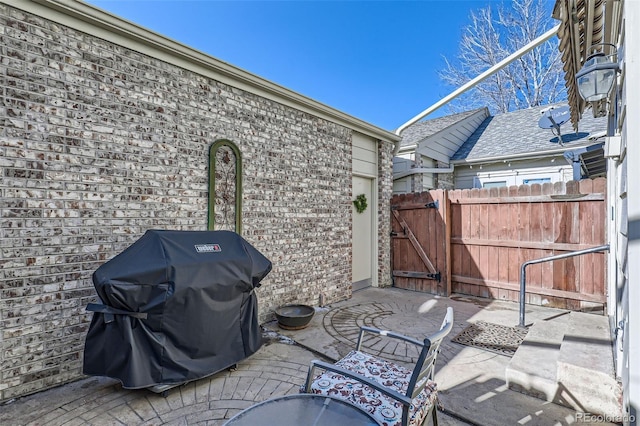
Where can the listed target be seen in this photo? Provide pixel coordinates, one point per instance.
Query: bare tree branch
(534, 79)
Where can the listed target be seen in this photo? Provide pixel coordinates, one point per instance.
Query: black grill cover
(176, 306)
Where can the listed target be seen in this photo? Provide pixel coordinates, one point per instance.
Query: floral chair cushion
(387, 411)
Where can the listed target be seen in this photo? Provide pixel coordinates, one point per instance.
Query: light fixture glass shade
(596, 77)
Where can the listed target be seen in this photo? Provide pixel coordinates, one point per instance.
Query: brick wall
(385, 191)
(444, 180)
(100, 143)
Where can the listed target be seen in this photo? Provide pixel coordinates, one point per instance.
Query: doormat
(496, 338)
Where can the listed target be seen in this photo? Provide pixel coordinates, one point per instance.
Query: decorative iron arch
(225, 187)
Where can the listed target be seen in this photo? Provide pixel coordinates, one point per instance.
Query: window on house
(494, 184)
(536, 180)
(225, 187)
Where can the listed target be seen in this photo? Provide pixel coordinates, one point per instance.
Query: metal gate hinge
(433, 205)
(435, 276)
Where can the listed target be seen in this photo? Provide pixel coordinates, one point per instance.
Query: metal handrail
(523, 274)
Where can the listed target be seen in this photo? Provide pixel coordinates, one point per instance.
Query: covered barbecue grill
(175, 306)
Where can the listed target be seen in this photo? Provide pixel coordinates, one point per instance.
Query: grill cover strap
(110, 312)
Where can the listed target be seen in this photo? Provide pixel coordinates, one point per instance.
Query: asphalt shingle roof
(423, 129)
(518, 132)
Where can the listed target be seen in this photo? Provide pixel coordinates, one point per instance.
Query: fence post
(446, 217)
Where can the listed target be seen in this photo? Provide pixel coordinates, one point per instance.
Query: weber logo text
(208, 248)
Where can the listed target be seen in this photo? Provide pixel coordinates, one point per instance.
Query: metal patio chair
(393, 394)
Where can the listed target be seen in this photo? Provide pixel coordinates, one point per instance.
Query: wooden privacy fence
(474, 242)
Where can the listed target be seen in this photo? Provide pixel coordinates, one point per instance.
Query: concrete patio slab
(471, 381)
(534, 371)
(277, 369)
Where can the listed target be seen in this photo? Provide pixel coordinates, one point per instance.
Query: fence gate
(494, 231)
(474, 241)
(419, 236)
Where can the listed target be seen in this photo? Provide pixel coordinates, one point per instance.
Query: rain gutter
(498, 158)
(422, 170)
(527, 155)
(474, 82)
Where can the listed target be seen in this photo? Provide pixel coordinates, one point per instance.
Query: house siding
(365, 155)
(627, 208)
(100, 143)
(433, 149)
(425, 181)
(402, 164)
(443, 145)
(513, 172)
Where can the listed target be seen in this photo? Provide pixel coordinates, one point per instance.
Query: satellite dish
(554, 117)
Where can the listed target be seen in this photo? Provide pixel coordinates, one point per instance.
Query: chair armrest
(386, 333)
(391, 393)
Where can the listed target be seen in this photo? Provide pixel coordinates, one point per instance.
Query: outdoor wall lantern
(598, 74)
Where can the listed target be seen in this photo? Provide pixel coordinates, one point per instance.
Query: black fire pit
(294, 317)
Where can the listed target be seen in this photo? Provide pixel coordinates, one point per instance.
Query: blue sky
(375, 60)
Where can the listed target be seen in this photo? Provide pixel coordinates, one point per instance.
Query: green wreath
(360, 203)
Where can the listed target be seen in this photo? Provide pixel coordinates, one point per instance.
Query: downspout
(472, 83)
